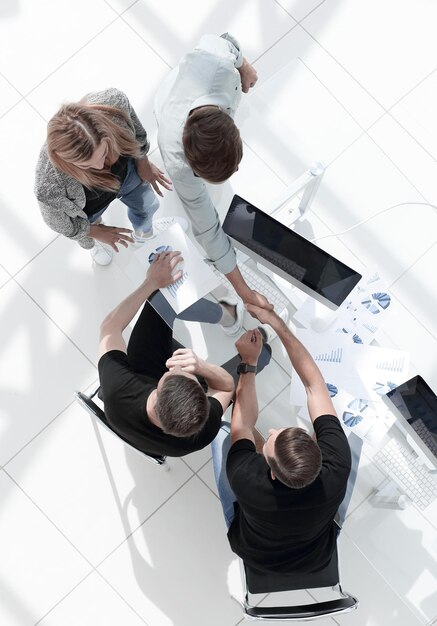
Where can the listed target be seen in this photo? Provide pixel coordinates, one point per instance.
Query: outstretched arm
(318, 398)
(158, 275)
(248, 295)
(245, 413)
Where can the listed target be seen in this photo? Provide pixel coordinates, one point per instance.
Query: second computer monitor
(288, 254)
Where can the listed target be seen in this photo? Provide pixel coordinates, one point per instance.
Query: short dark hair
(212, 144)
(182, 406)
(297, 460)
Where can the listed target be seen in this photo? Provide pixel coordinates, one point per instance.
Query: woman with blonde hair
(96, 151)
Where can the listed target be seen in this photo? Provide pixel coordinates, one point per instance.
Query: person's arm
(210, 235)
(245, 413)
(220, 382)
(247, 71)
(318, 398)
(79, 229)
(248, 295)
(248, 76)
(158, 275)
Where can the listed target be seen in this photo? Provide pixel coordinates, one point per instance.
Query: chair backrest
(93, 409)
(257, 581)
(266, 582)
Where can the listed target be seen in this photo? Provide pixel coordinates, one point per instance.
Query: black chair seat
(257, 581)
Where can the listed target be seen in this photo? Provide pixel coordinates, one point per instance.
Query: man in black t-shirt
(280, 497)
(152, 390)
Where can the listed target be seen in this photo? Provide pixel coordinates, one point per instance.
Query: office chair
(255, 581)
(87, 403)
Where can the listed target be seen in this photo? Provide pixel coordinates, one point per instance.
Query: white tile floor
(90, 533)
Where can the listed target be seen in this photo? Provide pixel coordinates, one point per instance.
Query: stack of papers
(356, 375)
(361, 316)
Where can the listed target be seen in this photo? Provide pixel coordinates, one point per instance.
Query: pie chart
(159, 249)
(333, 391)
(377, 301)
(356, 414)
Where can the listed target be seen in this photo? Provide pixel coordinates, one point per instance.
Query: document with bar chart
(354, 371)
(197, 278)
(382, 369)
(334, 355)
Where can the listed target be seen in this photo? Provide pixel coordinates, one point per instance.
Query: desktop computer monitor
(288, 254)
(415, 405)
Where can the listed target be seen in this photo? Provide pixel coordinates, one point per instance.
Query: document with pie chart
(197, 277)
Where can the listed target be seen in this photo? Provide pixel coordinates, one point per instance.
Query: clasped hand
(249, 346)
(185, 359)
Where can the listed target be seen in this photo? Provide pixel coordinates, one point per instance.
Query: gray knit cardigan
(61, 197)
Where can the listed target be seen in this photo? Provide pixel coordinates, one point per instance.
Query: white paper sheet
(356, 376)
(360, 317)
(197, 280)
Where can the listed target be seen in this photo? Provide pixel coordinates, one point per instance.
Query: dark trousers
(151, 342)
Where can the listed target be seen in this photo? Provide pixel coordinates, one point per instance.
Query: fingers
(173, 256)
(251, 336)
(124, 239)
(175, 260)
(156, 188)
(181, 351)
(177, 276)
(164, 181)
(122, 230)
(120, 235)
(262, 302)
(167, 184)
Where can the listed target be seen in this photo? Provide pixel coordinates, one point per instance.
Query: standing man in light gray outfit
(199, 141)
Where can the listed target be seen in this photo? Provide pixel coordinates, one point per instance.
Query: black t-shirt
(282, 529)
(125, 394)
(98, 199)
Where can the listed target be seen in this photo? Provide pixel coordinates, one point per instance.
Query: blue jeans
(220, 448)
(139, 197)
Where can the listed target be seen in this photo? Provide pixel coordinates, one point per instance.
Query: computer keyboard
(405, 469)
(260, 284)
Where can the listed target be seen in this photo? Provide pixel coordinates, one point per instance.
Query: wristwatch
(244, 368)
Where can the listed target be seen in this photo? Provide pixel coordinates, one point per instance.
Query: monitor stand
(322, 318)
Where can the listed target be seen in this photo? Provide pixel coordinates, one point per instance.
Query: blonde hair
(77, 130)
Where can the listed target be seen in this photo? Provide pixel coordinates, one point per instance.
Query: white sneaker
(236, 327)
(163, 223)
(101, 253)
(139, 236)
